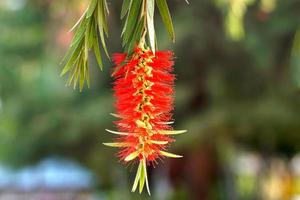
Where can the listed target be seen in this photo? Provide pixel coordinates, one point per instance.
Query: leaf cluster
(91, 31)
(139, 20)
(92, 23)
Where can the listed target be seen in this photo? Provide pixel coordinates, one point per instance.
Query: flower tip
(171, 155)
(115, 115)
(174, 132)
(117, 132)
(132, 156)
(116, 144)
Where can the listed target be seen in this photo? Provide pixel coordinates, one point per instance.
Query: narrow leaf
(103, 42)
(166, 17)
(150, 23)
(131, 20)
(102, 26)
(92, 34)
(142, 178)
(79, 20)
(125, 7)
(295, 60)
(72, 60)
(137, 178)
(135, 38)
(82, 76)
(146, 176)
(98, 54)
(91, 8)
(79, 33)
(102, 17)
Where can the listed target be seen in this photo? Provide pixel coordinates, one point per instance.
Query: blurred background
(238, 67)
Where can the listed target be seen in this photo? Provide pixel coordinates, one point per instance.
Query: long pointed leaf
(150, 23)
(98, 53)
(146, 176)
(91, 8)
(131, 20)
(137, 178)
(142, 179)
(166, 17)
(125, 7)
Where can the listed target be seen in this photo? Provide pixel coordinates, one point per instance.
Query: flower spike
(144, 90)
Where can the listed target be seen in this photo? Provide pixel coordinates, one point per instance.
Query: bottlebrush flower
(144, 90)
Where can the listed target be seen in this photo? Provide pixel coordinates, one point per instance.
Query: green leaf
(125, 7)
(91, 34)
(76, 73)
(142, 178)
(137, 177)
(102, 16)
(102, 26)
(72, 60)
(146, 176)
(150, 23)
(295, 60)
(102, 38)
(166, 17)
(105, 6)
(88, 77)
(82, 75)
(98, 54)
(91, 8)
(94, 19)
(136, 37)
(79, 33)
(131, 20)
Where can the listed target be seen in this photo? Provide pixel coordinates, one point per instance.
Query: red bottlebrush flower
(144, 89)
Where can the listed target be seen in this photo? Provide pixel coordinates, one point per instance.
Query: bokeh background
(238, 67)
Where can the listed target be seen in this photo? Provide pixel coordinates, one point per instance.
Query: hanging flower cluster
(144, 83)
(144, 89)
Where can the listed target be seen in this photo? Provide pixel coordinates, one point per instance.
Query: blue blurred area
(49, 174)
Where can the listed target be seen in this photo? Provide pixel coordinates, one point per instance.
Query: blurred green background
(237, 94)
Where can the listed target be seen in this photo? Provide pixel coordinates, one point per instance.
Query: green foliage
(140, 21)
(141, 178)
(166, 17)
(234, 21)
(133, 26)
(295, 60)
(92, 23)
